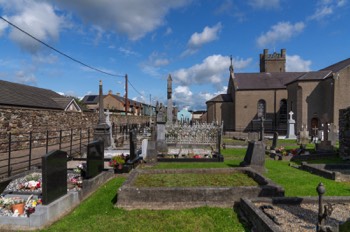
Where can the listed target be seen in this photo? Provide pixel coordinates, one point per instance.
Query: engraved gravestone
(274, 140)
(54, 176)
(94, 159)
(133, 144)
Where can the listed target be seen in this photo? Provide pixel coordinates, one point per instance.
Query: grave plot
(293, 213)
(337, 172)
(172, 192)
(44, 192)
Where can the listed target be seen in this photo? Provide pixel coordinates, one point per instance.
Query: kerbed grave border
(131, 197)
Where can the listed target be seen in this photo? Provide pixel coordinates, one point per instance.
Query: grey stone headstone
(94, 159)
(54, 176)
(255, 156)
(274, 140)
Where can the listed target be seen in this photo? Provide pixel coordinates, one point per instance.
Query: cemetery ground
(97, 213)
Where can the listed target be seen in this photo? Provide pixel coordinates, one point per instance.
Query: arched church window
(261, 108)
(283, 116)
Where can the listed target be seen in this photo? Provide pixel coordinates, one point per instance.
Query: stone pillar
(101, 131)
(170, 101)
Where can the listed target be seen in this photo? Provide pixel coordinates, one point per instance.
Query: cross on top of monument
(291, 114)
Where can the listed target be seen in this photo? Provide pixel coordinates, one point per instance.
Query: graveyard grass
(97, 213)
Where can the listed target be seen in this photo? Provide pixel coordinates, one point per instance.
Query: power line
(61, 53)
(135, 89)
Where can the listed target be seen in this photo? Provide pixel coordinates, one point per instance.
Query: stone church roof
(264, 81)
(338, 66)
(221, 98)
(278, 80)
(14, 94)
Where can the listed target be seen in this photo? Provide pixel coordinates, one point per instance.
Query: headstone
(274, 140)
(291, 127)
(253, 136)
(325, 145)
(133, 144)
(333, 135)
(54, 176)
(144, 148)
(255, 156)
(94, 159)
(304, 136)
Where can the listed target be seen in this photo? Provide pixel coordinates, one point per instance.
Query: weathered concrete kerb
(131, 197)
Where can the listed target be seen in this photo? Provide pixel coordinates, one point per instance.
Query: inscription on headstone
(94, 159)
(54, 176)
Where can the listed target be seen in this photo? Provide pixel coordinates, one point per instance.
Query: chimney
(118, 94)
(110, 92)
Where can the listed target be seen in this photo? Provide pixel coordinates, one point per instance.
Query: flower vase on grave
(19, 207)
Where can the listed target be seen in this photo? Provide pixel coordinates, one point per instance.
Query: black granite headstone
(54, 176)
(274, 140)
(133, 144)
(94, 159)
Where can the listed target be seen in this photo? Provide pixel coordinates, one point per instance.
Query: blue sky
(149, 39)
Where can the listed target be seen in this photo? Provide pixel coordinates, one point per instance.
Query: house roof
(338, 66)
(221, 98)
(94, 99)
(14, 94)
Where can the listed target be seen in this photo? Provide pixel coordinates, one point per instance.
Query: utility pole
(150, 110)
(126, 95)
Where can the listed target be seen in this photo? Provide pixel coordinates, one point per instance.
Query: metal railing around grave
(22, 151)
(199, 133)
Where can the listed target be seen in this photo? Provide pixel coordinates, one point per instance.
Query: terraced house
(314, 97)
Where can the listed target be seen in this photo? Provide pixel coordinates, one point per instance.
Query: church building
(314, 97)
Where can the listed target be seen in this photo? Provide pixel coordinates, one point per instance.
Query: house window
(283, 111)
(261, 108)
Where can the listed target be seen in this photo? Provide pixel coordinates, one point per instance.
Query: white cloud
(168, 31)
(132, 18)
(326, 8)
(3, 26)
(197, 40)
(127, 52)
(185, 98)
(264, 3)
(296, 64)
(213, 70)
(207, 35)
(282, 31)
(26, 78)
(35, 17)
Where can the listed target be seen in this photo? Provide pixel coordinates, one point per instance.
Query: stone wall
(344, 133)
(20, 120)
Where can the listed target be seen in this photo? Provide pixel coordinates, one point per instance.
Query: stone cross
(261, 138)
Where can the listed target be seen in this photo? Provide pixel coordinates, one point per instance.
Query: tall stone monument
(161, 143)
(291, 127)
(101, 131)
(170, 100)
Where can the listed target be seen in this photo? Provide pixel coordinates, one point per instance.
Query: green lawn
(97, 213)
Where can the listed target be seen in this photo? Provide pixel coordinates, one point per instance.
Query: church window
(261, 108)
(283, 111)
